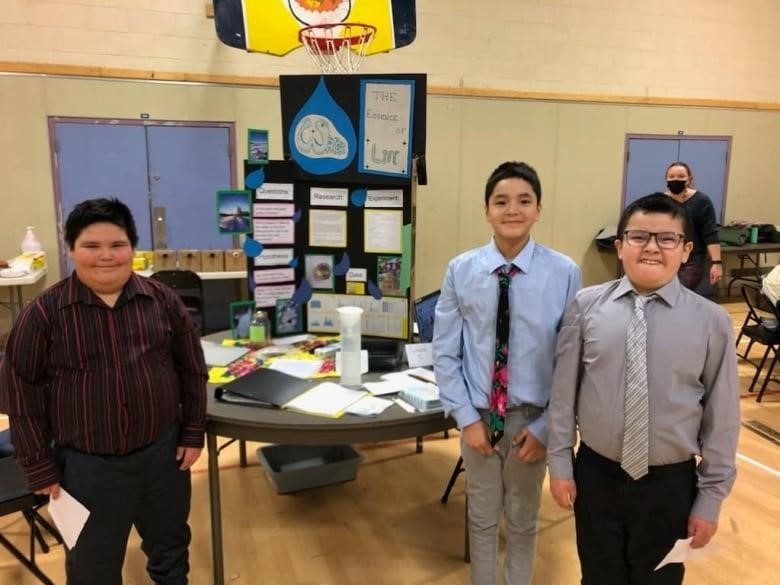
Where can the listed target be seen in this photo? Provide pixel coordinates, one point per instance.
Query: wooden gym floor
(389, 527)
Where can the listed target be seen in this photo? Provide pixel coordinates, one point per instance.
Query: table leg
(242, 453)
(216, 510)
(15, 304)
(419, 444)
(754, 265)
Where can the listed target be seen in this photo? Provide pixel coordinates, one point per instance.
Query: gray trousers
(503, 485)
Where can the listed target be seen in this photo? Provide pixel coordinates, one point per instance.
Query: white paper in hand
(682, 551)
(69, 516)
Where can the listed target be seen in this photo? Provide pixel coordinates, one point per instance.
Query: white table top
(234, 275)
(30, 278)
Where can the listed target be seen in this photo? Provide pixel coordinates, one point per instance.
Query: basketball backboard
(273, 26)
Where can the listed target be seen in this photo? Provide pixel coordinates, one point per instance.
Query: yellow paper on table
(219, 375)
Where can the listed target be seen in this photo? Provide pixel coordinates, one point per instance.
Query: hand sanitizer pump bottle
(349, 327)
(31, 243)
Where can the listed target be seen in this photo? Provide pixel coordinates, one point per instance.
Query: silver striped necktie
(636, 423)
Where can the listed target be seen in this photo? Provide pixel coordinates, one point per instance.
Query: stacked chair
(15, 497)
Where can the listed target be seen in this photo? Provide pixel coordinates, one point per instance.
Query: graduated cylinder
(349, 329)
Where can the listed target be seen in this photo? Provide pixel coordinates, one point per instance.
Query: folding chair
(189, 287)
(15, 497)
(760, 327)
(776, 350)
(6, 448)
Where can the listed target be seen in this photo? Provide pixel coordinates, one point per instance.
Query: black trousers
(144, 489)
(625, 527)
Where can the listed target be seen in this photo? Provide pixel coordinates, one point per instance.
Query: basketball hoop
(337, 48)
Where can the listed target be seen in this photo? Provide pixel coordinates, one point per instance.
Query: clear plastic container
(260, 329)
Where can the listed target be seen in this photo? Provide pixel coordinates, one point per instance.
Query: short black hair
(514, 170)
(656, 203)
(100, 210)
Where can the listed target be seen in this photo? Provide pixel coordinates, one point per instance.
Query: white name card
(419, 354)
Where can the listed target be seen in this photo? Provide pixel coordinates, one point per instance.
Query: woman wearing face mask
(679, 185)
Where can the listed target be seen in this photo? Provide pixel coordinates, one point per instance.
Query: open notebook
(326, 399)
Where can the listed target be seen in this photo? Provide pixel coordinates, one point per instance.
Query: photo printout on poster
(386, 131)
(319, 270)
(383, 231)
(328, 228)
(274, 231)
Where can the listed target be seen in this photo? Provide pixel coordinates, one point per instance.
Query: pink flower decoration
(502, 401)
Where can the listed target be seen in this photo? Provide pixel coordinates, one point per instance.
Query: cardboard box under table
(291, 468)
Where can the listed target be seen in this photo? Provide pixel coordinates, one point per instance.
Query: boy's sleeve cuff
(192, 437)
(466, 415)
(560, 465)
(42, 476)
(706, 508)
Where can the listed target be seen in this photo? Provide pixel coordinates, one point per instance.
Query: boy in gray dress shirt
(626, 521)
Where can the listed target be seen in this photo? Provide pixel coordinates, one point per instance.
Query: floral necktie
(498, 390)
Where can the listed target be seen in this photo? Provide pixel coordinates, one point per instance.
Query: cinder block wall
(719, 49)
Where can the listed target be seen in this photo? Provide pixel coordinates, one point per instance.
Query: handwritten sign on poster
(386, 127)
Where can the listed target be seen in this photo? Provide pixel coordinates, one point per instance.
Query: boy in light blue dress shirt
(504, 478)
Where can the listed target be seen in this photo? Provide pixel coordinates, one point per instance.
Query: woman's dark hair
(656, 203)
(99, 211)
(514, 170)
(686, 166)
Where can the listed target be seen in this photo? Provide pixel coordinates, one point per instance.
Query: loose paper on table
(326, 399)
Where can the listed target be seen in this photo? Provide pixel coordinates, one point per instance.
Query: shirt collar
(78, 292)
(668, 293)
(496, 260)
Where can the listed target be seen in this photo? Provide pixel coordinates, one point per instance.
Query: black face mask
(676, 187)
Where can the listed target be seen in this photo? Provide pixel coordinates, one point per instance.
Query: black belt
(609, 466)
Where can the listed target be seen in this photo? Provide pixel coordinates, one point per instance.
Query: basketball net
(337, 48)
